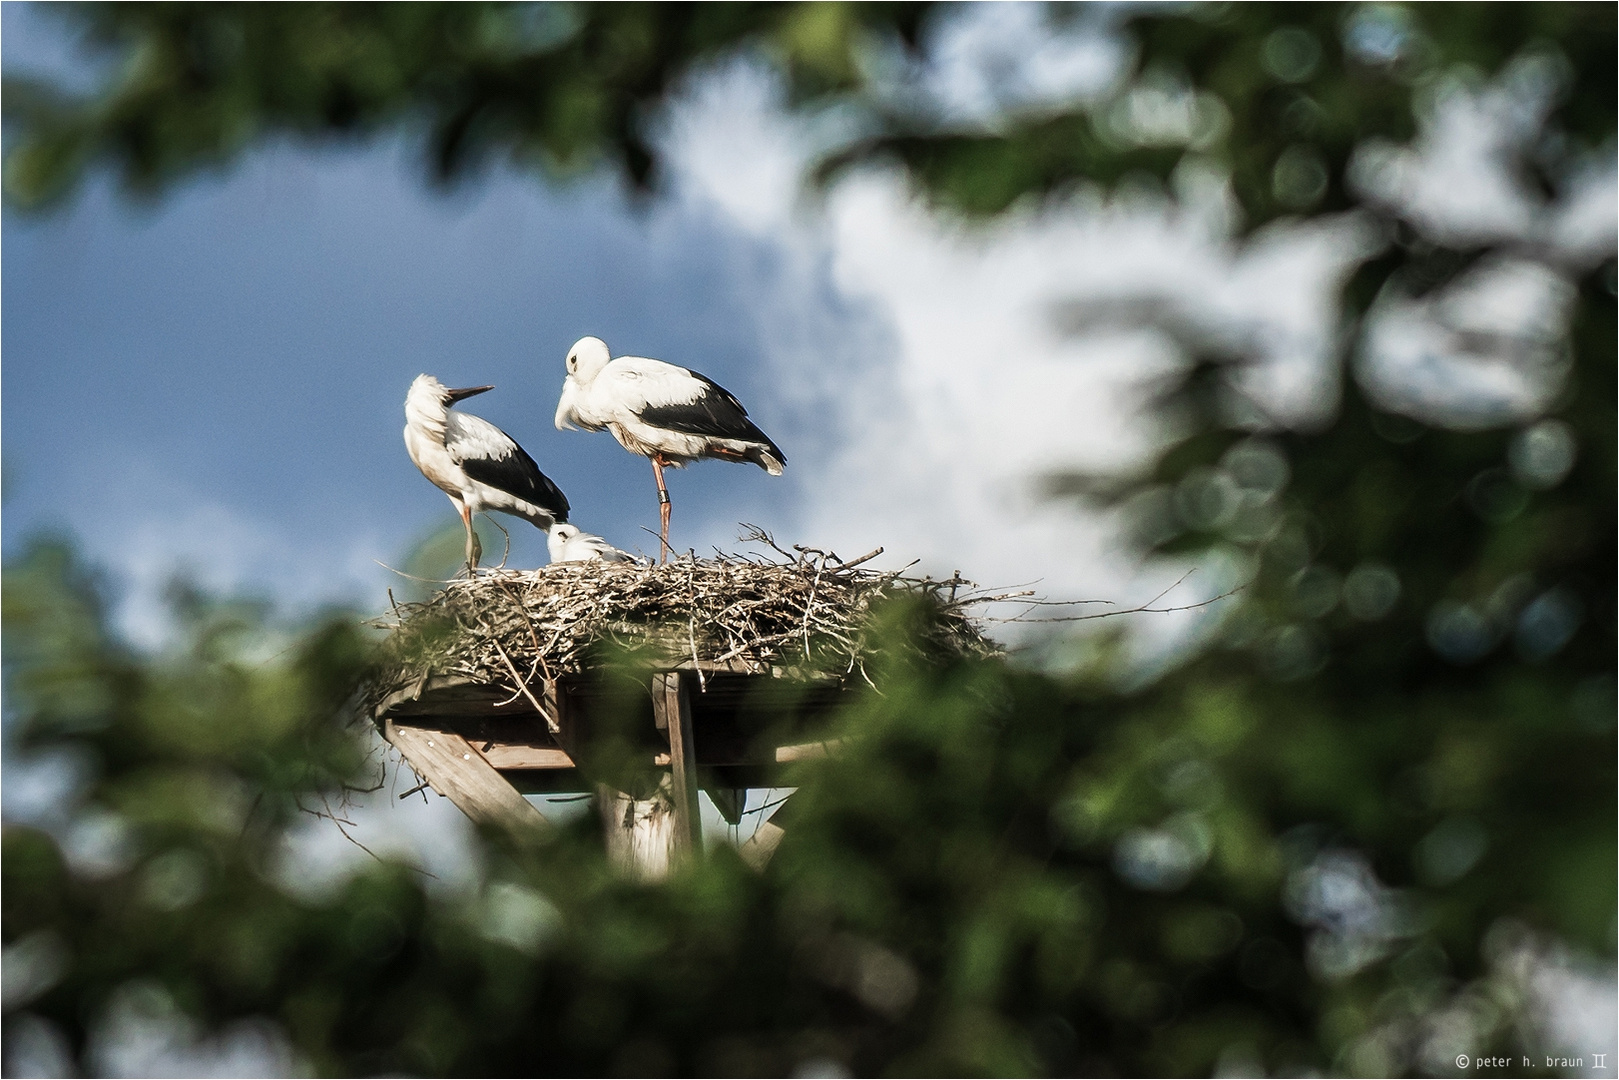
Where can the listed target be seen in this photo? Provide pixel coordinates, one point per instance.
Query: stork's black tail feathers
(717, 414)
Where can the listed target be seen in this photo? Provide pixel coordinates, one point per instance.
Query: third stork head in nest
(568, 544)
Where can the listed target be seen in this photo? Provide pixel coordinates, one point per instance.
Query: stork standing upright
(669, 414)
(476, 464)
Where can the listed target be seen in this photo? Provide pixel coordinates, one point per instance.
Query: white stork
(568, 544)
(476, 464)
(669, 414)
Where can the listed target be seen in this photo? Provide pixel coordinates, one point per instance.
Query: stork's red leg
(663, 508)
(474, 547)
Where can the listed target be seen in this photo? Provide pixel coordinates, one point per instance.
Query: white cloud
(751, 165)
(227, 552)
(988, 60)
(949, 361)
(1586, 219)
(1449, 181)
(1485, 350)
(155, 528)
(1460, 183)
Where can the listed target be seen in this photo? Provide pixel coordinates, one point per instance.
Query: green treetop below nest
(809, 616)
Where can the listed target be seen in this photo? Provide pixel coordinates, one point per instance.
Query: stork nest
(804, 614)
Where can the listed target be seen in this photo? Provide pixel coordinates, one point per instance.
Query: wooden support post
(671, 708)
(456, 770)
(639, 832)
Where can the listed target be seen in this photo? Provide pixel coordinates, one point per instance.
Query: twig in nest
(504, 555)
(867, 557)
(1143, 609)
(413, 577)
(339, 822)
(752, 534)
(810, 603)
(550, 721)
(661, 542)
(697, 665)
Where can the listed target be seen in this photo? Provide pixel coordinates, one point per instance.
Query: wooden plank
(456, 770)
(448, 691)
(525, 756)
(736, 665)
(806, 751)
(548, 781)
(456, 696)
(482, 731)
(671, 704)
(551, 700)
(759, 847)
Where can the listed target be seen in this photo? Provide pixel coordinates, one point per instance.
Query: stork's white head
(586, 359)
(428, 402)
(558, 538)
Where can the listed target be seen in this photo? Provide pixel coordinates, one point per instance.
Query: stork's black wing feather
(516, 474)
(716, 412)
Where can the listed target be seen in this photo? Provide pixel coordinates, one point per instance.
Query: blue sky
(227, 366)
(249, 339)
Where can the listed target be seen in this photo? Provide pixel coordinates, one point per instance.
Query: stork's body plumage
(568, 543)
(476, 464)
(664, 412)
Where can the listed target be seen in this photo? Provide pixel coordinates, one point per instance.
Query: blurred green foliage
(1279, 96)
(1313, 844)
(1003, 873)
(561, 86)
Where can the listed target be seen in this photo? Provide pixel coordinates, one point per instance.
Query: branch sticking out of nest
(807, 611)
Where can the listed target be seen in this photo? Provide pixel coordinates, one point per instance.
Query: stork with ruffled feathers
(479, 466)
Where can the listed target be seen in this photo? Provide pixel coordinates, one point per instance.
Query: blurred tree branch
(562, 86)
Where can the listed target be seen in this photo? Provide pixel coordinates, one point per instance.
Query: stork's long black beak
(466, 392)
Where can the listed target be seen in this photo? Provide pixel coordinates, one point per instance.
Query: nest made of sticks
(804, 613)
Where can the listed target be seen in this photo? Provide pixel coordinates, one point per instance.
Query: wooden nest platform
(495, 685)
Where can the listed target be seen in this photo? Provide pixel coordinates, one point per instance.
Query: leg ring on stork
(664, 509)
